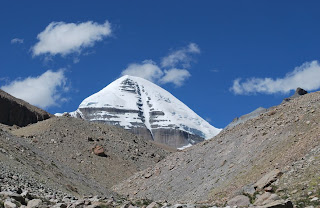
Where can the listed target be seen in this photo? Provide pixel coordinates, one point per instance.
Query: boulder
(9, 204)
(14, 196)
(278, 204)
(262, 198)
(34, 203)
(267, 179)
(272, 198)
(239, 201)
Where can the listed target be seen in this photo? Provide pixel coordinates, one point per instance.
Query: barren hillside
(71, 141)
(229, 164)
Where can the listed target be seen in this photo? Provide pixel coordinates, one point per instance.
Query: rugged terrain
(64, 159)
(285, 140)
(268, 159)
(72, 141)
(147, 110)
(14, 111)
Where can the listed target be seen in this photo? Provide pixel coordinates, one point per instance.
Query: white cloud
(175, 76)
(16, 40)
(182, 56)
(43, 91)
(147, 70)
(65, 38)
(306, 76)
(167, 73)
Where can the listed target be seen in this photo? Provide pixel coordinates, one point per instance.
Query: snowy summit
(148, 110)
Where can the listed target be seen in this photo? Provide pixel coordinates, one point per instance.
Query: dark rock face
(175, 138)
(169, 136)
(14, 111)
(299, 92)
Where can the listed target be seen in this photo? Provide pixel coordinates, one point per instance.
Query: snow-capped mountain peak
(135, 103)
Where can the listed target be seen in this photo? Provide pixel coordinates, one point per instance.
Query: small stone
(261, 198)
(272, 198)
(239, 201)
(279, 204)
(96, 204)
(34, 203)
(152, 205)
(249, 189)
(294, 191)
(314, 199)
(268, 189)
(9, 204)
(60, 205)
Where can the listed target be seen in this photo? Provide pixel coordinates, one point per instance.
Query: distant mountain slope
(146, 109)
(14, 111)
(286, 137)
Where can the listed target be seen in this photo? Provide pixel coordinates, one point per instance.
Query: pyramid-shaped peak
(145, 108)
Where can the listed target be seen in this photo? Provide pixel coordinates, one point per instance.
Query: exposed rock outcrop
(299, 92)
(14, 111)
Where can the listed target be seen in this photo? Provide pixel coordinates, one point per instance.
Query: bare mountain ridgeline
(17, 112)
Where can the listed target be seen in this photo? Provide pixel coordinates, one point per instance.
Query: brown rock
(268, 189)
(267, 179)
(99, 150)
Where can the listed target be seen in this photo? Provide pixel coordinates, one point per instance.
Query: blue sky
(221, 58)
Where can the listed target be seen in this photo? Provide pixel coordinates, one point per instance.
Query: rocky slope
(148, 110)
(73, 143)
(284, 140)
(14, 111)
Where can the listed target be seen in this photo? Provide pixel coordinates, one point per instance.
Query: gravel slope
(55, 156)
(218, 169)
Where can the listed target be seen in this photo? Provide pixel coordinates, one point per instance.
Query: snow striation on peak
(133, 102)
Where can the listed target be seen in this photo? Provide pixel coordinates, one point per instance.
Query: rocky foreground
(270, 160)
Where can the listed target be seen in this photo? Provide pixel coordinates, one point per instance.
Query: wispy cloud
(167, 72)
(66, 38)
(306, 76)
(16, 41)
(181, 57)
(43, 91)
